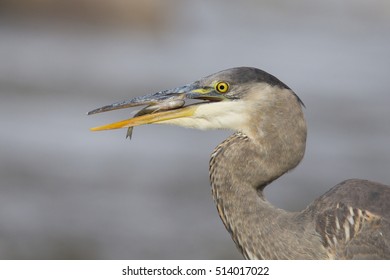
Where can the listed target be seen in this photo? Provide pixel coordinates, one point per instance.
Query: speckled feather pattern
(351, 221)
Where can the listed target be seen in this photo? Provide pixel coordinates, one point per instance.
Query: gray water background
(66, 192)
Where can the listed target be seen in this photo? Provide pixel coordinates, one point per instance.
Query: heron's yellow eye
(222, 87)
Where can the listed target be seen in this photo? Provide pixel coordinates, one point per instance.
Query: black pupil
(221, 87)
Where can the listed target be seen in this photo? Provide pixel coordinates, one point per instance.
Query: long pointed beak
(161, 106)
(149, 118)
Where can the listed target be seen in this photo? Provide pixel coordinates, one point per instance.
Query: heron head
(228, 99)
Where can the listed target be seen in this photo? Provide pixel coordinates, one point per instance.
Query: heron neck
(241, 206)
(240, 168)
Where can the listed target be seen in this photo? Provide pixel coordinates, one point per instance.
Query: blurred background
(68, 193)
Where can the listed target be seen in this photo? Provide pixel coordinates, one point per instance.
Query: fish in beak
(166, 106)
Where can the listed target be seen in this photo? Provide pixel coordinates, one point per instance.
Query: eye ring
(222, 87)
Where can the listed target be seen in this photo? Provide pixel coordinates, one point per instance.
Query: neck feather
(241, 167)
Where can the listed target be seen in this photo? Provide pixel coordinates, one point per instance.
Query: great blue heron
(350, 221)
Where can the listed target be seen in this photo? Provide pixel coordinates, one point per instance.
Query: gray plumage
(350, 221)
